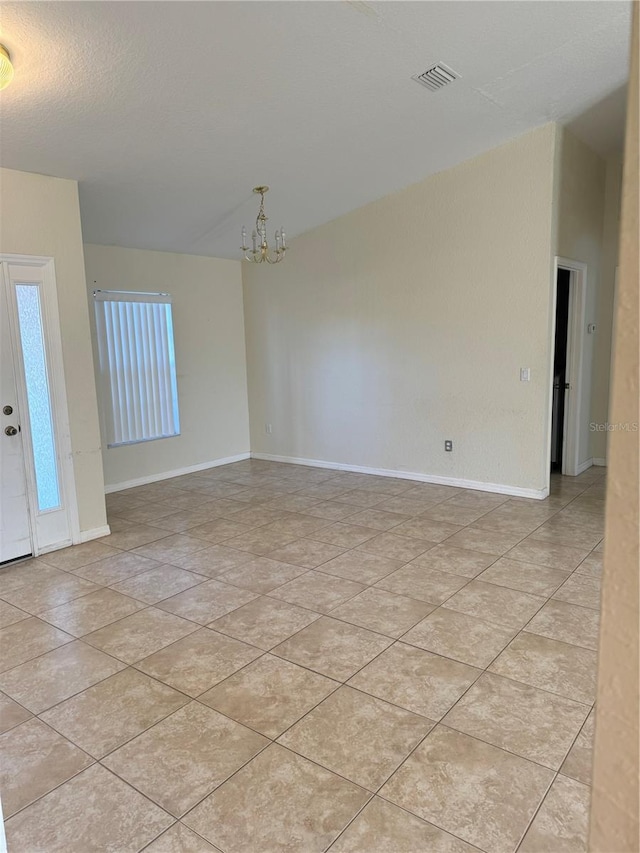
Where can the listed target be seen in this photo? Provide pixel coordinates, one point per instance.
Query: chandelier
(261, 251)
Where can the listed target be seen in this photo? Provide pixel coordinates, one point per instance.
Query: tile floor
(266, 657)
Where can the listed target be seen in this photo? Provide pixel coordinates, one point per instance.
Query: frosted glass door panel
(38, 396)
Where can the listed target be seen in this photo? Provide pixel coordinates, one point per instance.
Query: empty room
(319, 443)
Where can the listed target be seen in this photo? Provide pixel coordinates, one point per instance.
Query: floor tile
(28, 639)
(473, 498)
(171, 548)
(562, 824)
(406, 505)
(11, 714)
(134, 536)
(260, 542)
(43, 682)
(427, 528)
(382, 827)
(453, 514)
(344, 534)
(149, 513)
(91, 612)
(279, 802)
(550, 665)
(269, 695)
(49, 593)
(456, 561)
(212, 561)
(568, 623)
(461, 637)
(578, 763)
(485, 541)
(218, 530)
(317, 591)
(396, 547)
(306, 553)
(180, 839)
(561, 532)
(9, 614)
(197, 662)
(110, 713)
(382, 611)
(207, 602)
(361, 738)
(496, 604)
(560, 557)
(361, 567)
(332, 648)
(479, 793)
(205, 746)
(33, 760)
(93, 811)
(377, 519)
(591, 565)
(424, 584)
(114, 569)
(26, 573)
(417, 680)
(156, 584)
(531, 723)
(361, 498)
(264, 622)
(526, 577)
(183, 521)
(332, 510)
(70, 559)
(140, 635)
(261, 574)
(580, 589)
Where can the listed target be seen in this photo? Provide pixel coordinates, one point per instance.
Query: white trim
(499, 488)
(599, 463)
(178, 472)
(95, 533)
(583, 466)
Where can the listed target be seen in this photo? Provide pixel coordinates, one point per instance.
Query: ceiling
(168, 113)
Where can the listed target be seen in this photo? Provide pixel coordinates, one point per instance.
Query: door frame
(58, 395)
(575, 350)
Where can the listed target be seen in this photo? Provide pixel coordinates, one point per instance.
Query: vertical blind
(137, 365)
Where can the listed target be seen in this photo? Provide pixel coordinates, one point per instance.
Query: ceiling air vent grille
(436, 77)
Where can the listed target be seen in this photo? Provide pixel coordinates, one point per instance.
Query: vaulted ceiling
(168, 113)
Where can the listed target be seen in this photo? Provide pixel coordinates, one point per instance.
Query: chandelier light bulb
(6, 68)
(260, 252)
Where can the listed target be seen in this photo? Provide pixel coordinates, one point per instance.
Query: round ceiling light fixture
(6, 68)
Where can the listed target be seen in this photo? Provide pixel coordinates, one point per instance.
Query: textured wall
(614, 811)
(210, 356)
(580, 175)
(40, 216)
(406, 322)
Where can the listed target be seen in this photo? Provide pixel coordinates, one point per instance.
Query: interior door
(15, 534)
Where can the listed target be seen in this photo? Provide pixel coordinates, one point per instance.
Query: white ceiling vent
(436, 77)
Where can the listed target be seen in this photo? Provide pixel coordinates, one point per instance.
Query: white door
(15, 535)
(38, 494)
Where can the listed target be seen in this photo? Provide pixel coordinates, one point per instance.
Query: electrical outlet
(448, 445)
(268, 429)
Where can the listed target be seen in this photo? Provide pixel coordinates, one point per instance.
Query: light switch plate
(525, 374)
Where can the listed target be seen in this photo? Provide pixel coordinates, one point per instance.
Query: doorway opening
(560, 381)
(566, 427)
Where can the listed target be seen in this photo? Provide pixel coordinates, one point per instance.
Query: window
(137, 366)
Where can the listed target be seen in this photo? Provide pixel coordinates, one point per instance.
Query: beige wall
(210, 356)
(580, 187)
(615, 802)
(40, 216)
(406, 322)
(604, 317)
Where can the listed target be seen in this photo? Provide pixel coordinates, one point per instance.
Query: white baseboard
(500, 488)
(95, 533)
(178, 472)
(583, 466)
(600, 463)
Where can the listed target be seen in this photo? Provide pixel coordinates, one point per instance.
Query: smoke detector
(436, 77)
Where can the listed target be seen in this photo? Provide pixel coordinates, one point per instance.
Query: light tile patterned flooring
(266, 657)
